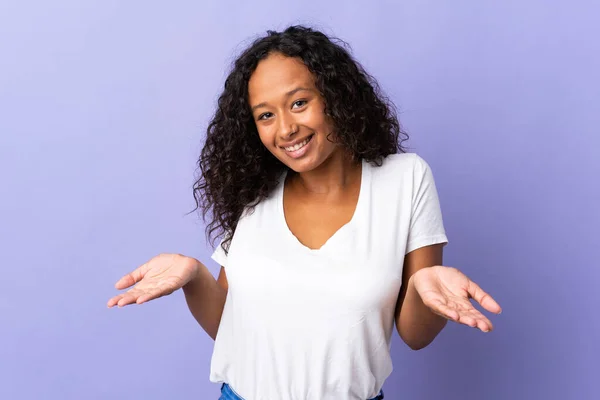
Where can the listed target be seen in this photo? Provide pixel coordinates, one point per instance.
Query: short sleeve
(219, 255)
(426, 223)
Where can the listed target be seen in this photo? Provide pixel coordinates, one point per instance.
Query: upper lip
(295, 142)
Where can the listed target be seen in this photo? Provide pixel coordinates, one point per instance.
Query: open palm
(159, 277)
(447, 292)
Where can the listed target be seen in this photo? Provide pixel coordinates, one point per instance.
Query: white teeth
(298, 146)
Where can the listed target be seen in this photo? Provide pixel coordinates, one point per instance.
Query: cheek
(325, 130)
(315, 121)
(266, 137)
(322, 120)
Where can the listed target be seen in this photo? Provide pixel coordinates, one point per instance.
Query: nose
(287, 127)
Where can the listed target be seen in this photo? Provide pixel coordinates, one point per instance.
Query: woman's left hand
(447, 292)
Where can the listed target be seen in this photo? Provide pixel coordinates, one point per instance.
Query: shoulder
(260, 213)
(402, 163)
(404, 173)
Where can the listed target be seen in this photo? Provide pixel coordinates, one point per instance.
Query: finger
(482, 323)
(475, 319)
(132, 277)
(113, 301)
(129, 297)
(461, 313)
(163, 289)
(484, 326)
(151, 293)
(467, 314)
(468, 320)
(443, 310)
(483, 298)
(149, 296)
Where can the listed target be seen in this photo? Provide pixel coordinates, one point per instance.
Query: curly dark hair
(237, 171)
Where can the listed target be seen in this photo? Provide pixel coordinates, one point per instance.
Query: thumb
(483, 298)
(132, 278)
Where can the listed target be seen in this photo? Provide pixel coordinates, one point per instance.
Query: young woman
(331, 234)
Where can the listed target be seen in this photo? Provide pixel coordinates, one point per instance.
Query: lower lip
(301, 151)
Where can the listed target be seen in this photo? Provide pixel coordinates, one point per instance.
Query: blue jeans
(227, 393)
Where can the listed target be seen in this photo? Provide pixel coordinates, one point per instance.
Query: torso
(313, 288)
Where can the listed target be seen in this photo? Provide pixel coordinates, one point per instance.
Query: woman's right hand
(160, 276)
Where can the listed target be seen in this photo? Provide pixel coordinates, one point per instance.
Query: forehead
(276, 75)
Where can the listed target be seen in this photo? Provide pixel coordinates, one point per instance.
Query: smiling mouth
(300, 145)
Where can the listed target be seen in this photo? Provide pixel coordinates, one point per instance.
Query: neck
(334, 175)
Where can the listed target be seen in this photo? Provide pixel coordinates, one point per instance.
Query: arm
(166, 273)
(205, 298)
(416, 323)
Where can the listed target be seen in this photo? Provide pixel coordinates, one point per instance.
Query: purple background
(103, 105)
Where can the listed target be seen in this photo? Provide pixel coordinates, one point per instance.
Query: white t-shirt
(303, 324)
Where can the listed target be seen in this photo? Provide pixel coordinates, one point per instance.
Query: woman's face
(289, 113)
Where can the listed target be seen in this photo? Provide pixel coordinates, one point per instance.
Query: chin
(301, 165)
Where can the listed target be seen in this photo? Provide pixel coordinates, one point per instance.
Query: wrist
(197, 273)
(417, 275)
(411, 290)
(414, 282)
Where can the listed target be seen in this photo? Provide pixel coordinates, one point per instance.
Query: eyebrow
(288, 94)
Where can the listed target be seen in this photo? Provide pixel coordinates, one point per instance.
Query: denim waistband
(227, 393)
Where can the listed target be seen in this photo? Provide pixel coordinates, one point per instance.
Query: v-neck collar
(357, 211)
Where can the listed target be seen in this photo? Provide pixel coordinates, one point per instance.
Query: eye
(298, 103)
(265, 116)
